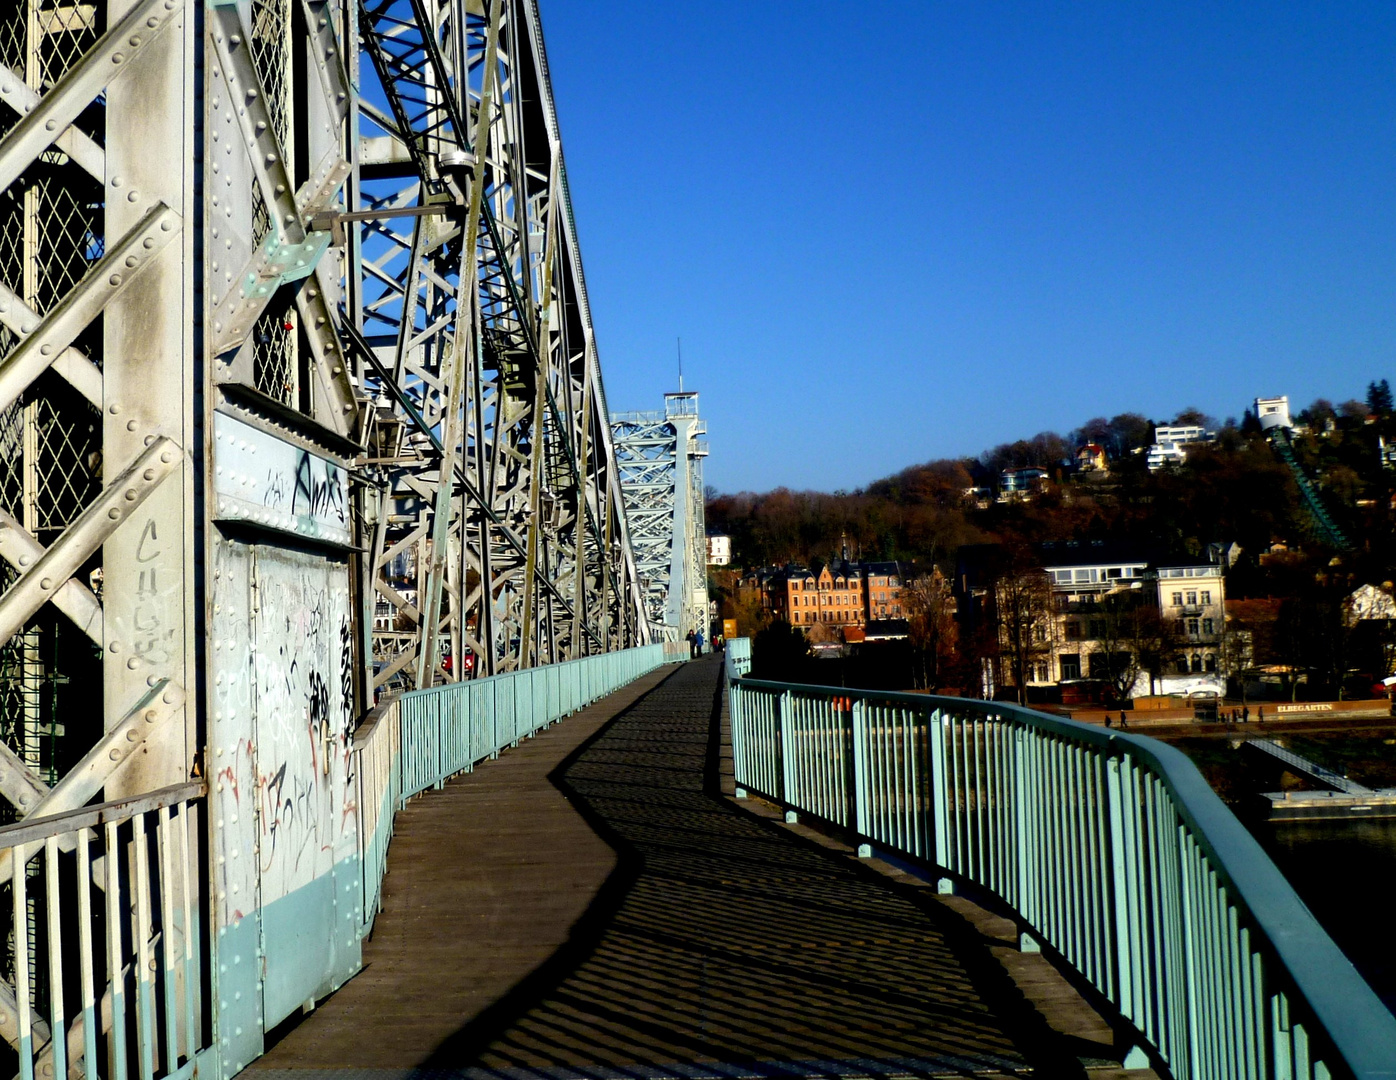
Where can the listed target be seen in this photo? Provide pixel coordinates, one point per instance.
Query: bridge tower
(300, 405)
(660, 456)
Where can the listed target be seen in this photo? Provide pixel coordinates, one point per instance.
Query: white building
(1171, 443)
(1368, 602)
(1273, 412)
(1192, 595)
(719, 549)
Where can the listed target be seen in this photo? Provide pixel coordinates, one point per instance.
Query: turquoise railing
(422, 738)
(1111, 848)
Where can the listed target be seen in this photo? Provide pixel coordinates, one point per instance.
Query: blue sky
(891, 233)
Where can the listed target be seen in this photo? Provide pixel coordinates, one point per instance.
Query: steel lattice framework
(299, 401)
(502, 535)
(660, 457)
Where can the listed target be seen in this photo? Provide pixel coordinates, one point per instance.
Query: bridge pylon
(660, 457)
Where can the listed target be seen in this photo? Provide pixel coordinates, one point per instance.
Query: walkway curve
(590, 905)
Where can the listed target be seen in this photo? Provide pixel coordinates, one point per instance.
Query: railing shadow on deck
(1111, 849)
(422, 738)
(722, 943)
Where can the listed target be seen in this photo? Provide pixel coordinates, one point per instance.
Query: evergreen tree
(1379, 398)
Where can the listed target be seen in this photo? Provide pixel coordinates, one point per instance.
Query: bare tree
(1023, 598)
(1134, 639)
(934, 633)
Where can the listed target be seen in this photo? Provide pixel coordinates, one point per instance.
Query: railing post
(1119, 887)
(787, 778)
(1025, 847)
(940, 793)
(736, 716)
(860, 768)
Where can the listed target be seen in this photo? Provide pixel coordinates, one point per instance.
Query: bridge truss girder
(515, 550)
(336, 232)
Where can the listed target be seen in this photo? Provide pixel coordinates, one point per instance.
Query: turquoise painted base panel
(311, 941)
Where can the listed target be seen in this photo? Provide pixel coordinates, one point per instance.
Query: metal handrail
(1111, 847)
(420, 739)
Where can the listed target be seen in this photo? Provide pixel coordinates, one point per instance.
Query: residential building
(1171, 443)
(719, 549)
(1368, 602)
(1119, 610)
(842, 593)
(1192, 596)
(1091, 458)
(1021, 483)
(1084, 633)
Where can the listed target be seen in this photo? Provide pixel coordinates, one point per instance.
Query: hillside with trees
(1235, 490)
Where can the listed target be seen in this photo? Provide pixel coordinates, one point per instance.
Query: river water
(1345, 871)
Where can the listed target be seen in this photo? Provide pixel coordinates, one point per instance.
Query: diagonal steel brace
(85, 301)
(41, 582)
(40, 128)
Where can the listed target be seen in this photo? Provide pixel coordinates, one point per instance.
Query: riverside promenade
(594, 904)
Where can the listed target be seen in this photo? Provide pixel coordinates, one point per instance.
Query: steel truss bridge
(300, 405)
(310, 498)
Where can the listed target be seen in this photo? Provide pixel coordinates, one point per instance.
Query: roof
(1093, 552)
(886, 629)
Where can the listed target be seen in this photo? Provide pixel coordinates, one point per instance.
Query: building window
(1097, 628)
(1070, 664)
(1194, 628)
(1073, 630)
(1209, 662)
(1182, 665)
(1196, 663)
(1206, 596)
(1177, 599)
(1192, 599)
(1207, 626)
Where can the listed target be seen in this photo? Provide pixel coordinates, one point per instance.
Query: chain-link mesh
(66, 31)
(68, 465)
(274, 358)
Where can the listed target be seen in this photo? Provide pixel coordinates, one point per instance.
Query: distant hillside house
(719, 549)
(1091, 458)
(1171, 444)
(1368, 602)
(1021, 483)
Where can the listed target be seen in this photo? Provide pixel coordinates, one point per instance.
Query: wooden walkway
(591, 905)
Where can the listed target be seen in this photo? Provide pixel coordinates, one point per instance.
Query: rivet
(46, 583)
(113, 513)
(115, 279)
(149, 474)
(133, 663)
